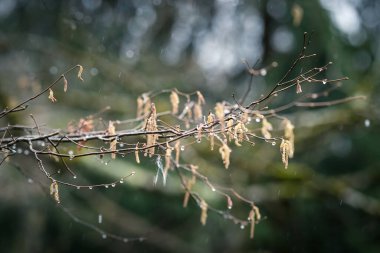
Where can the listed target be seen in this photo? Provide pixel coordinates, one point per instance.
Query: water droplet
(30, 181)
(104, 236)
(367, 123)
(273, 143)
(42, 144)
(242, 226)
(78, 187)
(75, 177)
(113, 185)
(106, 163)
(182, 148)
(121, 145)
(199, 140)
(229, 207)
(90, 187)
(258, 120)
(125, 240)
(213, 189)
(249, 119)
(26, 152)
(121, 181)
(106, 186)
(19, 150)
(100, 218)
(171, 138)
(324, 81)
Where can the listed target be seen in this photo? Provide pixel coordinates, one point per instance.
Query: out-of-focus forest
(328, 200)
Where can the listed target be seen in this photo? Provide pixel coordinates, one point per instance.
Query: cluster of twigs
(165, 135)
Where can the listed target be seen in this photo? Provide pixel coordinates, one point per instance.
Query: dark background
(326, 201)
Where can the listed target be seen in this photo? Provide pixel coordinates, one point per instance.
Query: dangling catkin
(151, 126)
(54, 191)
(289, 135)
(285, 151)
(168, 156)
(266, 128)
(219, 113)
(112, 131)
(137, 156)
(204, 207)
(174, 101)
(225, 152)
